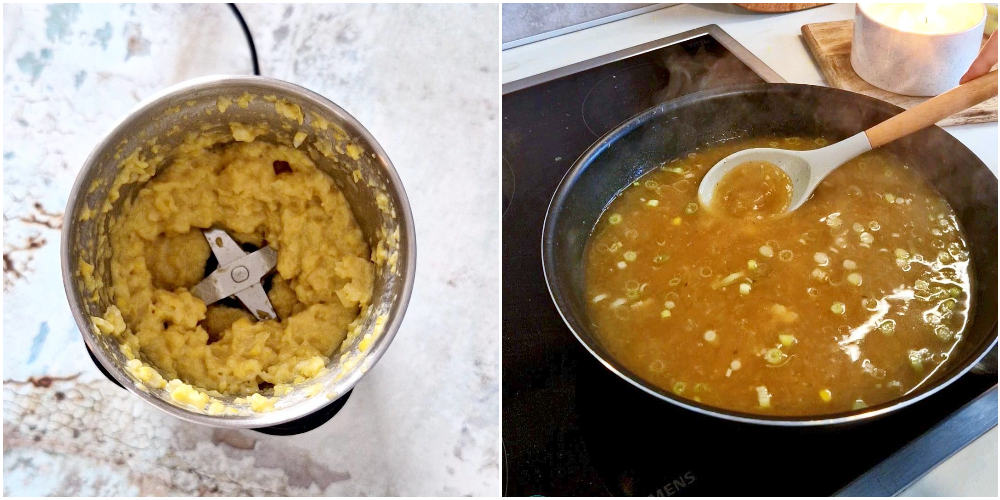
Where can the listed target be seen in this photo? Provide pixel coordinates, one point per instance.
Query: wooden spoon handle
(934, 110)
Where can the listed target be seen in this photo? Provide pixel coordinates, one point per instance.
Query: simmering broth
(753, 189)
(851, 300)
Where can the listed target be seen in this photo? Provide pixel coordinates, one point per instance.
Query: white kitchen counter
(776, 40)
(425, 419)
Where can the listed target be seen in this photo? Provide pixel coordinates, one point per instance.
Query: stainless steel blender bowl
(192, 106)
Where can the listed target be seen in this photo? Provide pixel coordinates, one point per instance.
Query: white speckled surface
(423, 80)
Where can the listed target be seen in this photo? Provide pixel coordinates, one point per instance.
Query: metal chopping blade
(239, 274)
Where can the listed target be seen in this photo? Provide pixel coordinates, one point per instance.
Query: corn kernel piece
(826, 395)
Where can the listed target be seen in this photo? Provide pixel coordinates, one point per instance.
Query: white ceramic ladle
(807, 169)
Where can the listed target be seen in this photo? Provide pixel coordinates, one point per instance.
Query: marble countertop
(776, 40)
(425, 419)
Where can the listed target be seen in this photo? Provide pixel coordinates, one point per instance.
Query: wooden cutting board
(778, 7)
(830, 44)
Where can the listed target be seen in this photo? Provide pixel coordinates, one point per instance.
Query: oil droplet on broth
(753, 189)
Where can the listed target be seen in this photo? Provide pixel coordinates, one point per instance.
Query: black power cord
(246, 32)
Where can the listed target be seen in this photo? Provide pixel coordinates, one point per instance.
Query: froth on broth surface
(851, 300)
(753, 189)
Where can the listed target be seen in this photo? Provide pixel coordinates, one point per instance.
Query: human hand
(984, 61)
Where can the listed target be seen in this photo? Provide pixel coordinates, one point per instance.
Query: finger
(984, 61)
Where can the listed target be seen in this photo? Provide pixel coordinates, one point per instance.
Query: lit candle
(916, 49)
(927, 18)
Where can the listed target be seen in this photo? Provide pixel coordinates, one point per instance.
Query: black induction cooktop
(570, 426)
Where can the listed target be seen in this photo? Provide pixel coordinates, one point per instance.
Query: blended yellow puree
(262, 194)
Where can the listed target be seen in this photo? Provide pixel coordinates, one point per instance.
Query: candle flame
(930, 12)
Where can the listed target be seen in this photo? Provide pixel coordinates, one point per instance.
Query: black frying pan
(678, 126)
